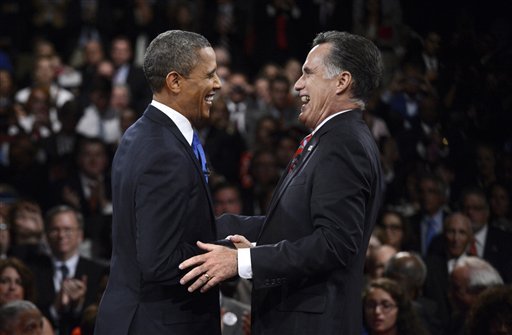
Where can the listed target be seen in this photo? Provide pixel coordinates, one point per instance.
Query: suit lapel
(288, 177)
(158, 116)
(303, 161)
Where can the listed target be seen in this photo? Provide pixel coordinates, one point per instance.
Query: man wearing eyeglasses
(66, 282)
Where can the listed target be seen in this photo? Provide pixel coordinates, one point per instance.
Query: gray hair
(481, 273)
(54, 211)
(354, 54)
(11, 310)
(408, 269)
(173, 50)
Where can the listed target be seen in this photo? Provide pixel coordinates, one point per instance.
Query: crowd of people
(71, 83)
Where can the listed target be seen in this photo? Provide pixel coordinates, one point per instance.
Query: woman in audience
(17, 283)
(388, 311)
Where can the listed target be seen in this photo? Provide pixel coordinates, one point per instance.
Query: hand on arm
(209, 269)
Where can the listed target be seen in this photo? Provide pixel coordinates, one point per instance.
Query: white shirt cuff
(244, 263)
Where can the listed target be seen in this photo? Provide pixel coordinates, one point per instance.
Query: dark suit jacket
(161, 208)
(308, 262)
(44, 271)
(497, 251)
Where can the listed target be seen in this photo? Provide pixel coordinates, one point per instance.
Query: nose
(217, 84)
(299, 84)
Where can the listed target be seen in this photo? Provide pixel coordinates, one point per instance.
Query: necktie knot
(299, 150)
(64, 270)
(200, 155)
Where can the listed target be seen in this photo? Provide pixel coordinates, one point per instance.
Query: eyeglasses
(385, 306)
(54, 232)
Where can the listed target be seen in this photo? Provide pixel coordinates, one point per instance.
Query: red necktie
(299, 150)
(472, 249)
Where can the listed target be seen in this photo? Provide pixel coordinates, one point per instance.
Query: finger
(192, 261)
(207, 246)
(210, 283)
(194, 273)
(200, 282)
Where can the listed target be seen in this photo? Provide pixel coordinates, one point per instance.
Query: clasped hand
(211, 268)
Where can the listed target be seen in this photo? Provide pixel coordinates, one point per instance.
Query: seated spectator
(28, 240)
(410, 272)
(492, 313)
(17, 283)
(500, 207)
(388, 310)
(429, 222)
(21, 317)
(490, 243)
(470, 277)
(449, 248)
(394, 230)
(378, 259)
(67, 282)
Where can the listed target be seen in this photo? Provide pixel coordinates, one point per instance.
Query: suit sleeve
(339, 191)
(161, 200)
(248, 226)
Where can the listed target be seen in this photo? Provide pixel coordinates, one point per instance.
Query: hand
(74, 291)
(209, 269)
(240, 241)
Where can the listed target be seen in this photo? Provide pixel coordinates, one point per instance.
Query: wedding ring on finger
(207, 276)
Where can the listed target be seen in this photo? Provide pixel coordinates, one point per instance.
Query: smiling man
(161, 205)
(307, 265)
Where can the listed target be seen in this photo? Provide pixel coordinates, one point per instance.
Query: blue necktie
(431, 232)
(198, 150)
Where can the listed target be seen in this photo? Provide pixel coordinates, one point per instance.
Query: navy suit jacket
(308, 262)
(161, 208)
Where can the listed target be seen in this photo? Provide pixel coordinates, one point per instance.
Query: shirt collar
(181, 121)
(481, 235)
(71, 264)
(327, 119)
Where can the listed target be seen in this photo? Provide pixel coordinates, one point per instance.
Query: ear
(344, 82)
(173, 81)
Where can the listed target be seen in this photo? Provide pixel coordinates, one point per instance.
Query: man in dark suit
(428, 223)
(490, 243)
(307, 265)
(66, 282)
(161, 203)
(129, 74)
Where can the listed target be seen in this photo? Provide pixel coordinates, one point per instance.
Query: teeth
(305, 98)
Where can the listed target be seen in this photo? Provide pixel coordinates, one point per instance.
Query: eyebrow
(212, 72)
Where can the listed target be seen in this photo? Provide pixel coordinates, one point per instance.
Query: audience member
(88, 190)
(410, 272)
(429, 222)
(395, 231)
(500, 207)
(21, 317)
(378, 259)
(492, 312)
(490, 243)
(127, 73)
(28, 241)
(66, 282)
(445, 251)
(388, 310)
(17, 283)
(470, 277)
